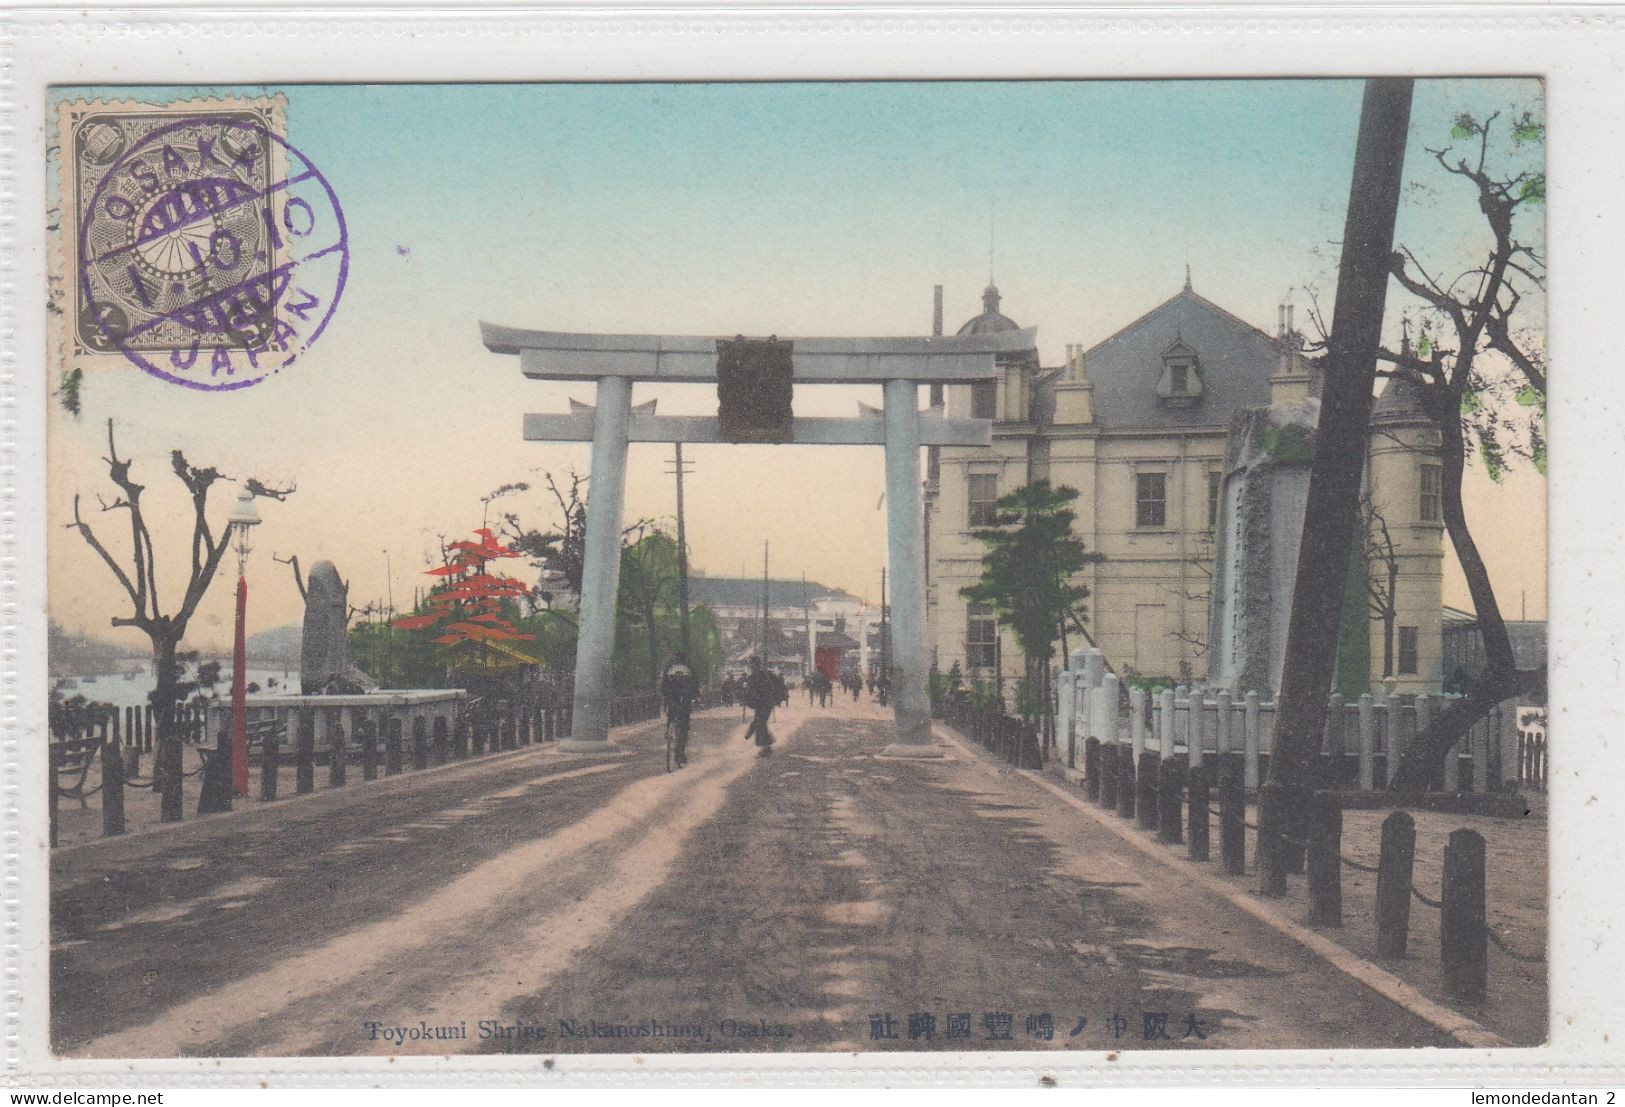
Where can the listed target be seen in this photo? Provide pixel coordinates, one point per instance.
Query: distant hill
(67, 652)
(276, 644)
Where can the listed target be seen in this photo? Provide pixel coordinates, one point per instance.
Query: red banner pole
(239, 705)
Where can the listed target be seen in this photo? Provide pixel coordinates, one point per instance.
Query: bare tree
(1381, 576)
(1475, 398)
(137, 574)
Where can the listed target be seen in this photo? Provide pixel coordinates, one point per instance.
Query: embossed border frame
(1573, 48)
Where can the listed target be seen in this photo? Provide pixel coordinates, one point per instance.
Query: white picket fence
(1195, 722)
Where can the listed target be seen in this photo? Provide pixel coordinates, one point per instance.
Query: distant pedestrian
(762, 695)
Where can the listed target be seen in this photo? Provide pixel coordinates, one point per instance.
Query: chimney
(1289, 327)
(936, 310)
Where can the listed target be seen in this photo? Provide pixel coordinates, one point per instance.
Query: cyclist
(678, 688)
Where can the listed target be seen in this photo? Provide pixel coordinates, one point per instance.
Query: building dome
(1399, 402)
(991, 321)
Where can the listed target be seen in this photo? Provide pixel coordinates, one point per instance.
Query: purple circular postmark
(211, 252)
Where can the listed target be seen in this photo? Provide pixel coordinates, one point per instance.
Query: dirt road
(822, 898)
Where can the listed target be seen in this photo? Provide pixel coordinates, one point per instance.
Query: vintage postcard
(601, 571)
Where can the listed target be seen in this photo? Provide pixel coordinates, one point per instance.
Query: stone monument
(1266, 485)
(324, 654)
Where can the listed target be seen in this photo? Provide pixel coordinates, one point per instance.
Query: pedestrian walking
(762, 695)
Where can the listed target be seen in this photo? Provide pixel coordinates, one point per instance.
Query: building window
(982, 492)
(1430, 509)
(1407, 651)
(981, 637)
(1215, 493)
(1150, 499)
(984, 400)
(1179, 379)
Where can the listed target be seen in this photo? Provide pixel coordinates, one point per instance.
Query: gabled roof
(1236, 360)
(747, 592)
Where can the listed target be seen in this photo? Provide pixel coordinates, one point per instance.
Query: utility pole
(679, 466)
(1342, 439)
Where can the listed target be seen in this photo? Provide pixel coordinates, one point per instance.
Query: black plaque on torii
(754, 386)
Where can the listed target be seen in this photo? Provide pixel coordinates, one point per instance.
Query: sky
(790, 209)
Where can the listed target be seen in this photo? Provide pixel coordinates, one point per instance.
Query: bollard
(369, 747)
(1128, 786)
(1197, 827)
(1091, 767)
(338, 758)
(1394, 869)
(270, 749)
(1170, 773)
(420, 742)
(1145, 793)
(1462, 942)
(112, 789)
(1325, 878)
(442, 741)
(1232, 821)
(505, 725)
(305, 754)
(1108, 776)
(392, 745)
(1271, 862)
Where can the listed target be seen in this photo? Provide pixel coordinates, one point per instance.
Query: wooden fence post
(1091, 767)
(1232, 820)
(459, 736)
(1146, 795)
(112, 789)
(1170, 782)
(338, 757)
(1462, 941)
(1270, 849)
(1394, 868)
(270, 748)
(420, 742)
(1325, 869)
(369, 745)
(305, 753)
(476, 726)
(1197, 828)
(1368, 743)
(392, 744)
(442, 741)
(505, 721)
(1128, 787)
(1401, 728)
(1108, 776)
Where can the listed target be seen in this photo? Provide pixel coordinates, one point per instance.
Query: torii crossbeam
(615, 361)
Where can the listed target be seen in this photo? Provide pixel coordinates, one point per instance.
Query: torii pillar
(615, 362)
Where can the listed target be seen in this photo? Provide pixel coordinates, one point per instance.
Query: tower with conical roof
(1407, 563)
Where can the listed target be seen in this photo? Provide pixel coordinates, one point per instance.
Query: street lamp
(242, 521)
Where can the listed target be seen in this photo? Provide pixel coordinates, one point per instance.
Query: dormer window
(1181, 381)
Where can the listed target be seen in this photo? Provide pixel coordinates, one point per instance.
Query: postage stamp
(860, 573)
(203, 249)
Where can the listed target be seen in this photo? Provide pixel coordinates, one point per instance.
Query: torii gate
(614, 362)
